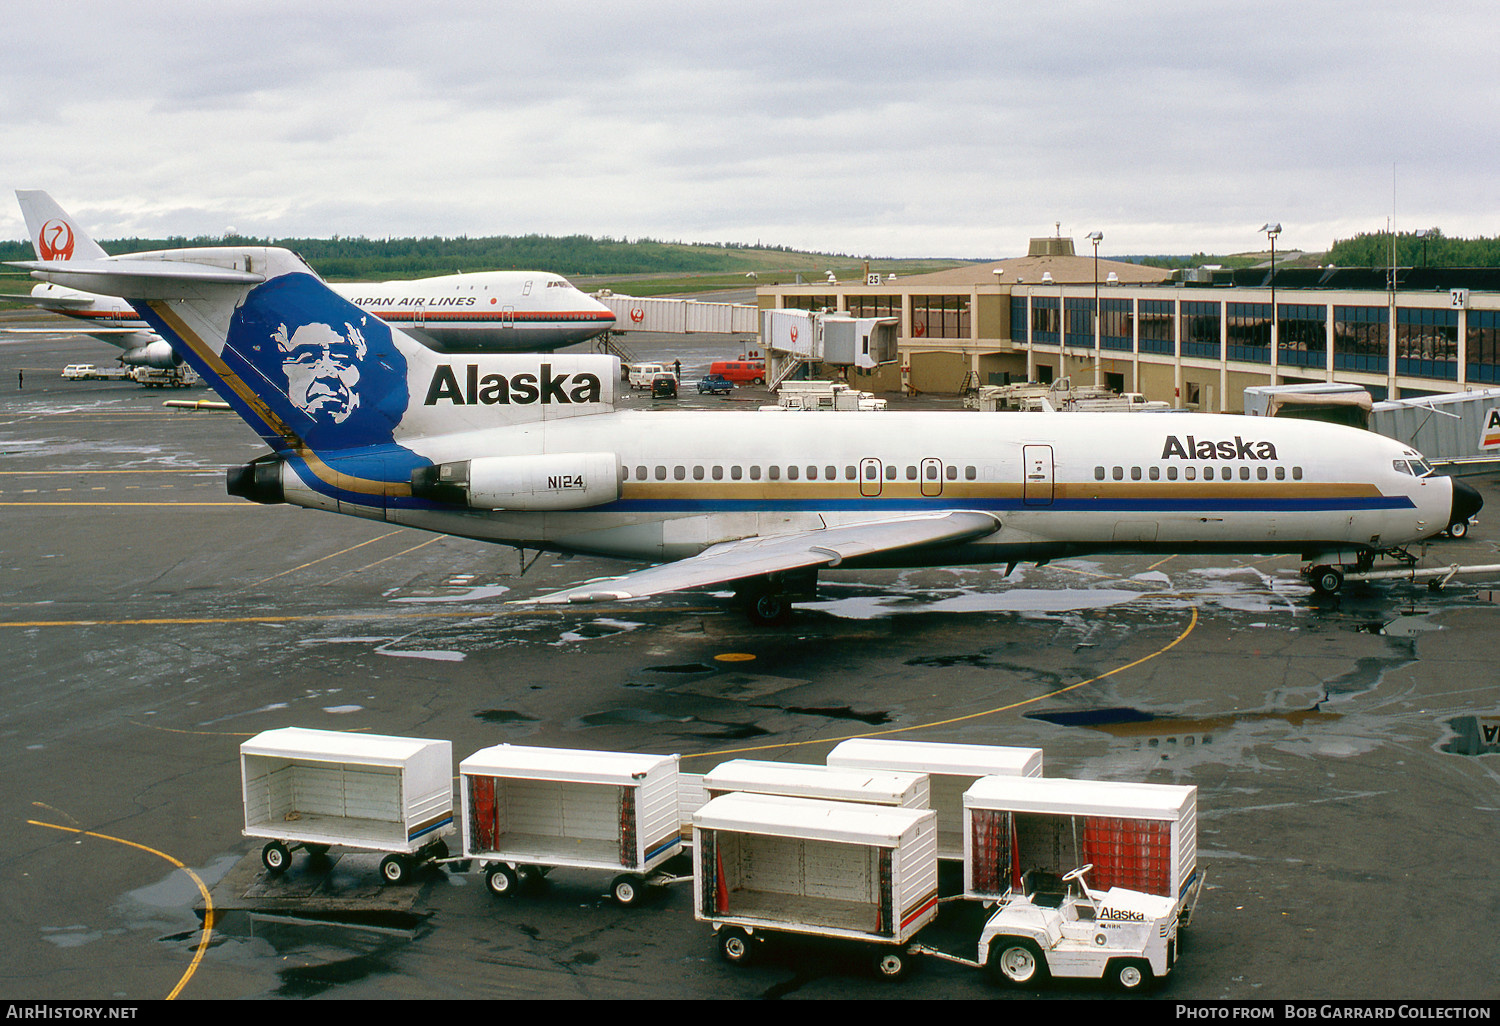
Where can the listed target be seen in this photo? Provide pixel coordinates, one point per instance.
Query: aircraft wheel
(275, 857)
(1327, 580)
(770, 609)
(1458, 529)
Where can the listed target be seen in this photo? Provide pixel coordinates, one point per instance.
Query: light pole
(1096, 238)
(1272, 230)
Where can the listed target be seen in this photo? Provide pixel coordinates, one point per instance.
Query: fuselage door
(1036, 490)
(507, 317)
(932, 477)
(869, 477)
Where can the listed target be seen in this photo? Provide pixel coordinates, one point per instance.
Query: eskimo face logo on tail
(55, 240)
(334, 373)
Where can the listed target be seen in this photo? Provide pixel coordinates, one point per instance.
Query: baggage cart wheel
(395, 869)
(627, 890)
(1131, 975)
(1017, 962)
(735, 946)
(501, 880)
(892, 965)
(275, 857)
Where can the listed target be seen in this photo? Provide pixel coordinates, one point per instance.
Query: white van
(642, 374)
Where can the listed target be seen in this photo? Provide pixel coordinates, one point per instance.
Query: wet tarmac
(1346, 750)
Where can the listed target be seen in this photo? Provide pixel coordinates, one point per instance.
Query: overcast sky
(931, 128)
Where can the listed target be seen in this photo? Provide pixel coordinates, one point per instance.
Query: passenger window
(640, 473)
(791, 473)
(1281, 473)
(970, 474)
(679, 473)
(661, 473)
(1244, 473)
(890, 473)
(932, 473)
(755, 472)
(1098, 473)
(735, 472)
(1296, 473)
(1118, 473)
(1208, 473)
(952, 472)
(1261, 474)
(697, 473)
(1189, 473)
(1135, 473)
(911, 473)
(832, 473)
(1154, 473)
(851, 474)
(774, 473)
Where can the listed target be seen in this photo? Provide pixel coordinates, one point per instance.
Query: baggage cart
(316, 789)
(951, 769)
(830, 783)
(768, 864)
(530, 810)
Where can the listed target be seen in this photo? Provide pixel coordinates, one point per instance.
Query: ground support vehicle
(664, 386)
(89, 372)
(715, 384)
(1143, 837)
(642, 374)
(530, 810)
(951, 769)
(181, 376)
(316, 789)
(747, 370)
(765, 865)
(1058, 927)
(803, 780)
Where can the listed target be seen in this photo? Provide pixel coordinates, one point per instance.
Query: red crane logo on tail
(55, 240)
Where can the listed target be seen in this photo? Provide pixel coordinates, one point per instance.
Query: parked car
(715, 384)
(744, 371)
(664, 386)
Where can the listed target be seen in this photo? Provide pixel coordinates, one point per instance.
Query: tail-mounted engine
(575, 480)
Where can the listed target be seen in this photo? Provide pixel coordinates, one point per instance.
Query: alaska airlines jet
(487, 311)
(529, 451)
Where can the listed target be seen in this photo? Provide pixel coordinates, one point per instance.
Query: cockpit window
(1421, 467)
(1401, 467)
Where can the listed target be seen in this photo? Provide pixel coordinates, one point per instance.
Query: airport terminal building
(1196, 339)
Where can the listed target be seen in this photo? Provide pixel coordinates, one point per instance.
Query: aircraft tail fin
(54, 234)
(340, 395)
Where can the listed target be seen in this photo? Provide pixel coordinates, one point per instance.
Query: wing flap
(753, 557)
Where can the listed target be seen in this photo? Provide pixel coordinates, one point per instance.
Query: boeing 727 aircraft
(482, 312)
(530, 451)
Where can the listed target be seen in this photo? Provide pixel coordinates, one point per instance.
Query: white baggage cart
(315, 789)
(830, 783)
(769, 864)
(951, 769)
(529, 810)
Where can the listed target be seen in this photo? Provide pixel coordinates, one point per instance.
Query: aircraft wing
(752, 557)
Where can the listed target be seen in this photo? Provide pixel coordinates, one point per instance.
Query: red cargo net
(991, 847)
(1133, 853)
(482, 813)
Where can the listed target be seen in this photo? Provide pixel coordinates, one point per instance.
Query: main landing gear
(767, 599)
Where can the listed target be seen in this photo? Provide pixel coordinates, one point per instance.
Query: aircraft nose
(1466, 502)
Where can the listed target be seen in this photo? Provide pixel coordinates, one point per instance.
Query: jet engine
(573, 480)
(155, 354)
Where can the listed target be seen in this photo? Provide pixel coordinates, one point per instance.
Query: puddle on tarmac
(503, 716)
(1473, 735)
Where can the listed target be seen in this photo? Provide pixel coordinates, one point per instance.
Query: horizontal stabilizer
(49, 302)
(137, 279)
(754, 557)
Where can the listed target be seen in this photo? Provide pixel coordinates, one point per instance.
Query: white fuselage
(482, 312)
(1058, 483)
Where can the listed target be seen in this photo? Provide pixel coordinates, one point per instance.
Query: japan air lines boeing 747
(479, 312)
(530, 451)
